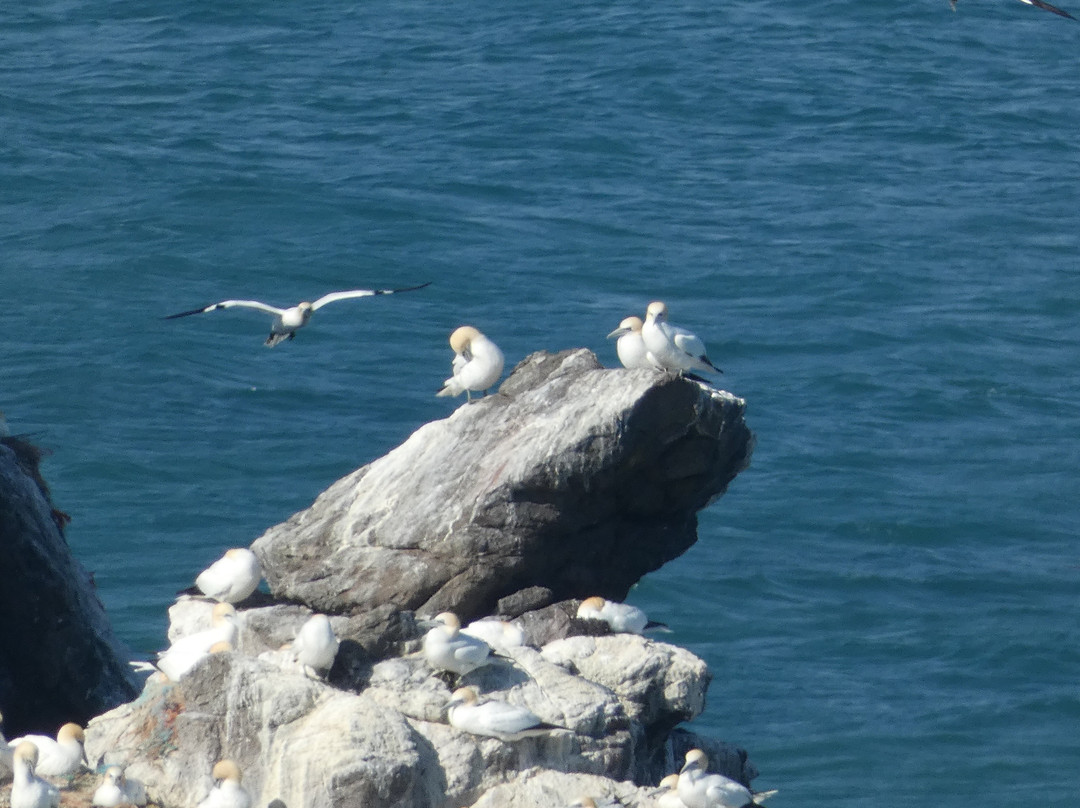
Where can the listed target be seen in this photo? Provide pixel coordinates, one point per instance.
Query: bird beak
(618, 332)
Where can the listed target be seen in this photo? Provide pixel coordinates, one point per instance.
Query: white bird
(670, 347)
(501, 635)
(446, 648)
(701, 790)
(630, 346)
(316, 645)
(495, 719)
(477, 364)
(116, 789)
(583, 802)
(1037, 4)
(60, 756)
(288, 321)
(670, 797)
(231, 578)
(181, 656)
(227, 791)
(27, 789)
(621, 617)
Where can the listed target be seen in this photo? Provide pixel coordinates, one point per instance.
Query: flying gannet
(116, 790)
(496, 719)
(630, 347)
(231, 578)
(227, 791)
(446, 648)
(1037, 4)
(701, 790)
(477, 364)
(57, 757)
(670, 347)
(27, 789)
(288, 321)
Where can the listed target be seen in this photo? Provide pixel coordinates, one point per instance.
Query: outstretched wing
(1048, 7)
(228, 304)
(333, 296)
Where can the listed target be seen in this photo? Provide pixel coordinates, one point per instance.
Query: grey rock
(59, 658)
(294, 738)
(573, 480)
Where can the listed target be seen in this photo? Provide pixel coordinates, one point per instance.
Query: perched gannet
(701, 790)
(288, 321)
(446, 648)
(181, 656)
(231, 578)
(1037, 4)
(28, 790)
(477, 364)
(227, 791)
(500, 635)
(630, 346)
(671, 347)
(316, 645)
(116, 789)
(621, 617)
(670, 797)
(59, 757)
(496, 719)
(583, 802)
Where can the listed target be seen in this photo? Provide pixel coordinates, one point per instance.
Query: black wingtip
(185, 313)
(403, 289)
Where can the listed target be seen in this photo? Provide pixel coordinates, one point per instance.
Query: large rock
(59, 658)
(573, 481)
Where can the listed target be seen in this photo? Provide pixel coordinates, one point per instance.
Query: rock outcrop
(572, 481)
(59, 659)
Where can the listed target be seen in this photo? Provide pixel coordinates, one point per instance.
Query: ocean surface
(869, 211)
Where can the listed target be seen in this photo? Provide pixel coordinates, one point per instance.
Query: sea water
(870, 212)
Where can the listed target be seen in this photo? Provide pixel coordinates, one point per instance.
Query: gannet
(500, 635)
(116, 789)
(701, 790)
(316, 645)
(446, 648)
(670, 797)
(59, 757)
(622, 617)
(670, 347)
(181, 656)
(1037, 4)
(231, 578)
(27, 789)
(227, 791)
(630, 347)
(496, 719)
(583, 802)
(477, 364)
(288, 321)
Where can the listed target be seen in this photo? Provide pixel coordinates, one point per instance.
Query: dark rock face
(59, 660)
(574, 480)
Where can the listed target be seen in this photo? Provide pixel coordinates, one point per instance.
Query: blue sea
(869, 211)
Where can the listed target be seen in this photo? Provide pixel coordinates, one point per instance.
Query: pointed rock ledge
(574, 480)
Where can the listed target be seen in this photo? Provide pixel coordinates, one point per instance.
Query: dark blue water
(870, 212)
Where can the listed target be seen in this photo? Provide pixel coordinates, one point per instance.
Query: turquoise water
(871, 214)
